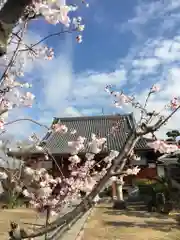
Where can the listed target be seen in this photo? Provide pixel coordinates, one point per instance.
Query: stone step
(136, 203)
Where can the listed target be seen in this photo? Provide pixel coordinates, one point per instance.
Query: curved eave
(20, 155)
(48, 134)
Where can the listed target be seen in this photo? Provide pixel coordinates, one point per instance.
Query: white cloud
(168, 50)
(65, 93)
(57, 78)
(168, 78)
(92, 111)
(71, 112)
(146, 12)
(88, 89)
(51, 83)
(155, 59)
(145, 65)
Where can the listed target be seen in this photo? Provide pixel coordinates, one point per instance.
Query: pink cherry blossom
(133, 171)
(61, 128)
(79, 39)
(121, 99)
(26, 193)
(54, 13)
(174, 103)
(73, 132)
(3, 176)
(1, 124)
(96, 144)
(155, 88)
(74, 159)
(76, 146)
(28, 171)
(163, 147)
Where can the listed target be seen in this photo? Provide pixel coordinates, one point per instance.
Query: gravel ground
(136, 224)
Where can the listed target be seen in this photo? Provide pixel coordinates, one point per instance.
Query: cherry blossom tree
(16, 52)
(45, 192)
(41, 189)
(34, 182)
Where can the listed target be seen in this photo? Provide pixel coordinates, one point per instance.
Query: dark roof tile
(57, 143)
(99, 125)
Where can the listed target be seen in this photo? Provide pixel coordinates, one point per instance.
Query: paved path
(73, 232)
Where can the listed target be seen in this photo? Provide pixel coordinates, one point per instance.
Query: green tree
(173, 134)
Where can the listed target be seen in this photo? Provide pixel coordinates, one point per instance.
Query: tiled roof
(99, 125)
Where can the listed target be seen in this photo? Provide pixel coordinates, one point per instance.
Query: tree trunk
(9, 16)
(47, 222)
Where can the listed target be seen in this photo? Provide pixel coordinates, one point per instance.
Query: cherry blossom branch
(47, 151)
(27, 119)
(20, 39)
(3, 111)
(14, 54)
(145, 105)
(47, 37)
(157, 125)
(30, 48)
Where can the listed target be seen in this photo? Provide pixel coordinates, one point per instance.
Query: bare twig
(27, 119)
(47, 151)
(145, 105)
(151, 129)
(47, 37)
(14, 55)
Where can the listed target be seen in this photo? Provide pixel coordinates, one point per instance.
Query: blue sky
(130, 44)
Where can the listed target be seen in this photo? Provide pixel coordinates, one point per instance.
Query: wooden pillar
(119, 202)
(119, 187)
(114, 188)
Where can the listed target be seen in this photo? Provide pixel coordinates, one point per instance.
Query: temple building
(116, 128)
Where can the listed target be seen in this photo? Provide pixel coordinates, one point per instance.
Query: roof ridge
(93, 117)
(68, 120)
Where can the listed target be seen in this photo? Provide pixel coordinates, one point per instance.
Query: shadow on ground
(160, 226)
(144, 219)
(136, 213)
